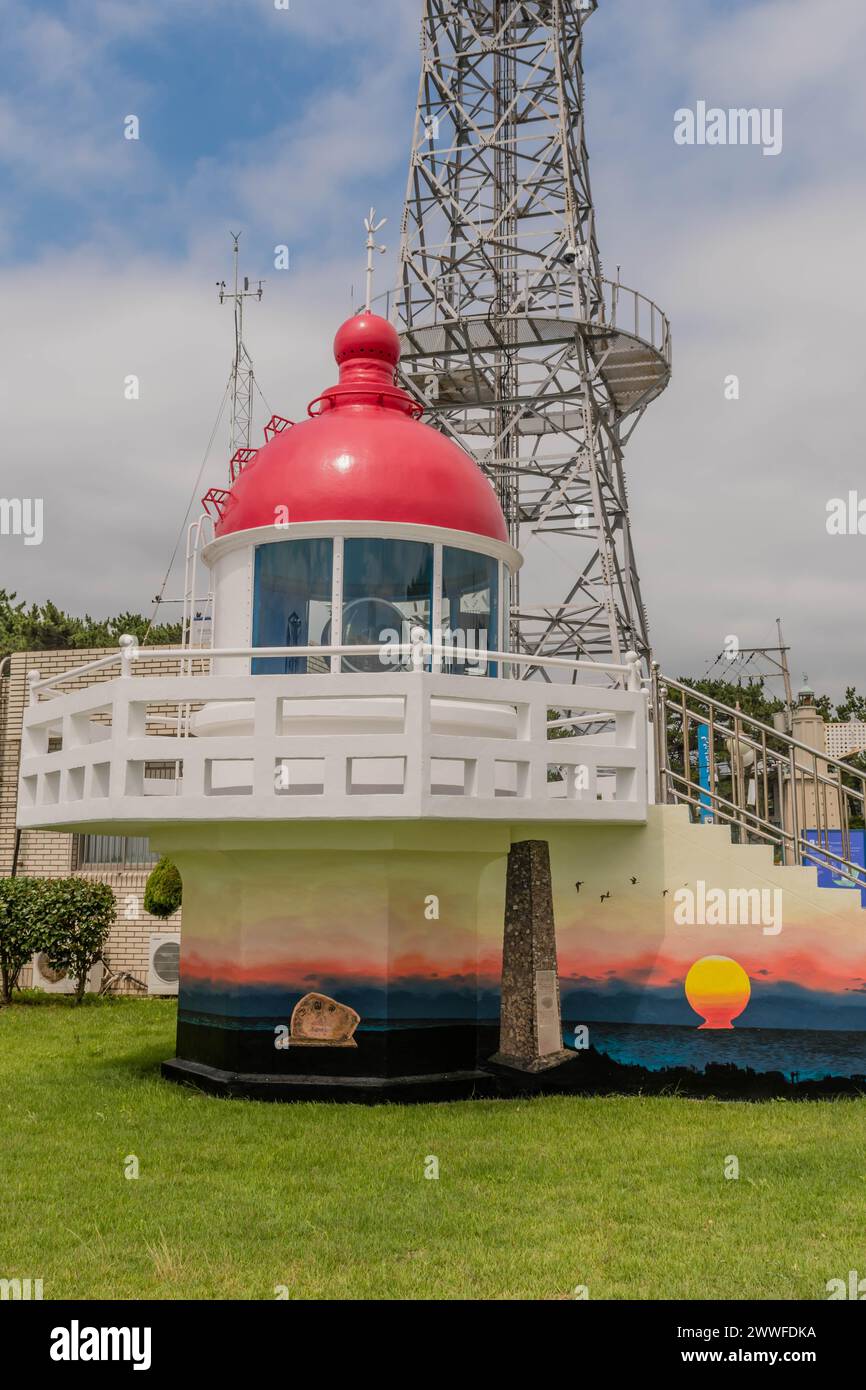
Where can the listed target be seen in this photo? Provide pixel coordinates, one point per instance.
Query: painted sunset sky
(623, 957)
(631, 963)
(352, 929)
(808, 978)
(794, 984)
(359, 932)
(789, 989)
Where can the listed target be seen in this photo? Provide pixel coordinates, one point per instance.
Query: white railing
(395, 744)
(417, 654)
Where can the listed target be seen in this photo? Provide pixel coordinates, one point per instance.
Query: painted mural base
(584, 1073)
(360, 1090)
(402, 924)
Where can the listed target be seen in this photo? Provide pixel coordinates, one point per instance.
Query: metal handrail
(770, 833)
(758, 724)
(778, 758)
(815, 753)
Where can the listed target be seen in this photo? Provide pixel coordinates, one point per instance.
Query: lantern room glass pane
(470, 611)
(387, 594)
(292, 604)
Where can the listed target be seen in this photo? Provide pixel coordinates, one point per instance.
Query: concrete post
(530, 1032)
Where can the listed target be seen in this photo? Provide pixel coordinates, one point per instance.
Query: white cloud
(781, 46)
(116, 475)
(759, 269)
(757, 261)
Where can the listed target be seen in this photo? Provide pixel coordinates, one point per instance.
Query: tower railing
(768, 786)
(446, 301)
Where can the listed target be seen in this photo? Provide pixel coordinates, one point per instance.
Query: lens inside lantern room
(470, 610)
(387, 594)
(292, 607)
(387, 598)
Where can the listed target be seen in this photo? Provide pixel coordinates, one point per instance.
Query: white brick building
(843, 739)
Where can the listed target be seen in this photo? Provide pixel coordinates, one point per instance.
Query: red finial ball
(367, 335)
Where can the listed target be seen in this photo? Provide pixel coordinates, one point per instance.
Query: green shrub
(78, 916)
(22, 926)
(164, 891)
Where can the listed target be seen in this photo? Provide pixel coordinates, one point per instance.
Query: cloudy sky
(287, 125)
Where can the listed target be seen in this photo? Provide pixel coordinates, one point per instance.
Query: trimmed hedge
(164, 891)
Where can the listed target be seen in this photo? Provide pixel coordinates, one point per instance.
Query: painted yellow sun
(718, 989)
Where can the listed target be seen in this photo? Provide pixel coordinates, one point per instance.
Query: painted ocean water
(800, 1054)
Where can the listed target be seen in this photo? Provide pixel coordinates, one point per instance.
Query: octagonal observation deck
(133, 750)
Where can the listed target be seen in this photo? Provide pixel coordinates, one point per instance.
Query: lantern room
(361, 527)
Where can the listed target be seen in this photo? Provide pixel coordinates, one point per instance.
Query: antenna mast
(243, 377)
(371, 226)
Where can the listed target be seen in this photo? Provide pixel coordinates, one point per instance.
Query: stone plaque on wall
(318, 1021)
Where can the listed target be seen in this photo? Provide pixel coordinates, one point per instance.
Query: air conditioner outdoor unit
(58, 981)
(163, 963)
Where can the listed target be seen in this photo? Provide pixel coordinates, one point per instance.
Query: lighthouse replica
(336, 943)
(346, 773)
(341, 922)
(417, 863)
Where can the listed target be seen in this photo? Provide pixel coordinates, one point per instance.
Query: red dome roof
(363, 456)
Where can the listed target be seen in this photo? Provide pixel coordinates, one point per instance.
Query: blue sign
(830, 874)
(706, 812)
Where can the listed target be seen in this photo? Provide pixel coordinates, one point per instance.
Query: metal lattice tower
(520, 347)
(243, 377)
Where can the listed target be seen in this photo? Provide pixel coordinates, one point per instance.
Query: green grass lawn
(625, 1196)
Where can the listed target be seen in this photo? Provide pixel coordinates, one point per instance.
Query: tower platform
(628, 337)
